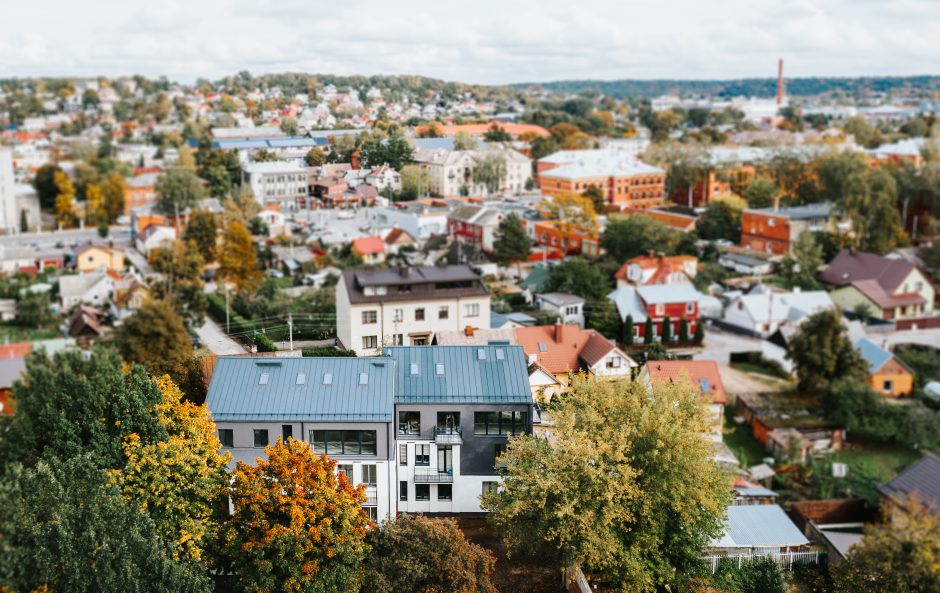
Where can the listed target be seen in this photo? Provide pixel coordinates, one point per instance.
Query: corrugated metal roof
(874, 355)
(762, 525)
(236, 392)
(498, 375)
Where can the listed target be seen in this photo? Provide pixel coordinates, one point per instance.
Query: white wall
(9, 221)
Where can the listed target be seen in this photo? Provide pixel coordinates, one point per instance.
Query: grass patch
(877, 462)
(13, 333)
(739, 439)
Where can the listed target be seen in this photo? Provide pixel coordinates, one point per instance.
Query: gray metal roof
(762, 525)
(921, 478)
(237, 393)
(470, 374)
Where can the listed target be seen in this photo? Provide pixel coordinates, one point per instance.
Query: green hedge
(327, 351)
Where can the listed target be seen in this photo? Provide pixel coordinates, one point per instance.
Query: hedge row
(242, 329)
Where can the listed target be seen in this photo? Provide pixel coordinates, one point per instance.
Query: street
(215, 339)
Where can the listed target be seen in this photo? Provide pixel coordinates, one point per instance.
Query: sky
(477, 41)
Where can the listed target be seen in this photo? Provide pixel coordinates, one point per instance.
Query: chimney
(777, 204)
(558, 327)
(468, 331)
(781, 92)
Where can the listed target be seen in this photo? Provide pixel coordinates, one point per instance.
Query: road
(719, 344)
(215, 339)
(48, 239)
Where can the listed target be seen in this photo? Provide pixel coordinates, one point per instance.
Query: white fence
(786, 560)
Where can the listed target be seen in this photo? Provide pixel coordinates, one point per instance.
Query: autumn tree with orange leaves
(297, 525)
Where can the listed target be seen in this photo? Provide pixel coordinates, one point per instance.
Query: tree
(94, 205)
(156, 338)
(686, 166)
(719, 221)
(763, 575)
(800, 269)
(899, 555)
(315, 157)
(289, 126)
(496, 133)
(683, 331)
(601, 495)
(32, 309)
(394, 151)
(699, 335)
(760, 192)
(424, 555)
(865, 134)
(178, 481)
(626, 237)
(464, 141)
(202, 232)
(596, 195)
(415, 182)
(628, 330)
(577, 276)
(181, 266)
(602, 316)
(238, 261)
(821, 352)
(68, 405)
(511, 244)
(571, 210)
(66, 213)
(65, 527)
(185, 158)
(667, 330)
(649, 332)
(24, 222)
(221, 169)
(177, 189)
(489, 171)
(113, 190)
(45, 184)
(296, 526)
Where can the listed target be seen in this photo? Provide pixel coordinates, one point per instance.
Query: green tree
(899, 555)
(667, 330)
(633, 516)
(289, 126)
(464, 141)
(202, 232)
(394, 151)
(415, 182)
(719, 221)
(489, 170)
(156, 338)
(177, 189)
(423, 554)
(628, 331)
(763, 575)
(511, 244)
(602, 316)
(297, 525)
(33, 309)
(45, 185)
(596, 195)
(683, 331)
(496, 133)
(577, 276)
(625, 237)
(181, 266)
(699, 335)
(649, 335)
(65, 527)
(800, 269)
(221, 169)
(821, 352)
(760, 192)
(315, 157)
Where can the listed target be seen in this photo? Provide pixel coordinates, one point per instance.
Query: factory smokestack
(781, 91)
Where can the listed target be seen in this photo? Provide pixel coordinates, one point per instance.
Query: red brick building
(774, 230)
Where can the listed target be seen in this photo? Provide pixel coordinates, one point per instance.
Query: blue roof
(329, 389)
(498, 320)
(761, 525)
(874, 355)
(274, 142)
(460, 374)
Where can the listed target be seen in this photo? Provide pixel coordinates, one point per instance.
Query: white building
(568, 307)
(764, 313)
(450, 172)
(407, 306)
(95, 288)
(276, 181)
(9, 219)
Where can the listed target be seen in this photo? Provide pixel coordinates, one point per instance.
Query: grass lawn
(739, 439)
(879, 462)
(757, 369)
(511, 575)
(12, 333)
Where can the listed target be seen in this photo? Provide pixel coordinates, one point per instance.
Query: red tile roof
(564, 346)
(703, 374)
(368, 245)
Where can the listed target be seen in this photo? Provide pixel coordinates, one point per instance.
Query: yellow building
(886, 374)
(89, 258)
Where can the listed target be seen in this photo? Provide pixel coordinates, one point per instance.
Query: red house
(653, 304)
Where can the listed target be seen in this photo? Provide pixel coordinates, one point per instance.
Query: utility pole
(290, 330)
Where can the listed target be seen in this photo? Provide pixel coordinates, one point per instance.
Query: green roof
(460, 374)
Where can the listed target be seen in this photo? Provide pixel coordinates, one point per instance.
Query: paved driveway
(215, 339)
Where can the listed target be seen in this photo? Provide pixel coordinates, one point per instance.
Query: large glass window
(448, 422)
(402, 454)
(445, 491)
(422, 492)
(343, 442)
(261, 438)
(445, 459)
(500, 423)
(369, 475)
(403, 490)
(409, 423)
(227, 437)
(423, 455)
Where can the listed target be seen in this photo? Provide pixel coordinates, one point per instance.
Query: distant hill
(753, 87)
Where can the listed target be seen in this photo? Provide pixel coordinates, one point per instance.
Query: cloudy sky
(480, 41)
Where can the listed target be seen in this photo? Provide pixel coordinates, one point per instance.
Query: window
(414, 369)
(402, 454)
(571, 310)
(370, 342)
(369, 475)
(398, 339)
(346, 469)
(409, 423)
(888, 386)
(261, 438)
(372, 513)
(423, 455)
(443, 312)
(613, 362)
(500, 354)
(369, 317)
(448, 422)
(403, 491)
(445, 491)
(690, 308)
(481, 353)
(404, 289)
(287, 432)
(419, 314)
(497, 451)
(343, 442)
(543, 347)
(471, 309)
(445, 460)
(263, 379)
(398, 315)
(499, 423)
(422, 492)
(227, 437)
(490, 487)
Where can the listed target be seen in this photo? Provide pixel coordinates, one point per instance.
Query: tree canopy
(511, 244)
(177, 189)
(822, 352)
(577, 276)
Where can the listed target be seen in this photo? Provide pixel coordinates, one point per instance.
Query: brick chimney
(781, 91)
(468, 331)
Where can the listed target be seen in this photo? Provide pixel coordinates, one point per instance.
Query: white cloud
(487, 41)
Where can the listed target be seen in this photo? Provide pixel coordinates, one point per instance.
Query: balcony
(433, 476)
(446, 435)
(372, 497)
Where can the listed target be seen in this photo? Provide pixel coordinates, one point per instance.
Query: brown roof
(877, 294)
(428, 283)
(703, 374)
(561, 348)
(850, 267)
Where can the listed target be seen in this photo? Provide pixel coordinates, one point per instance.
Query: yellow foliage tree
(65, 211)
(178, 481)
(94, 205)
(572, 209)
(238, 262)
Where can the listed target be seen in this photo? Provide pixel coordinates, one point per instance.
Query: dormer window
(327, 378)
(439, 369)
(263, 380)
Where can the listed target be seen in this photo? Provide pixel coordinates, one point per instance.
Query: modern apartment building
(407, 306)
(276, 181)
(340, 406)
(455, 408)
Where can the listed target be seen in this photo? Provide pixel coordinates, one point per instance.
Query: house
(568, 308)
(396, 238)
(94, 288)
(920, 479)
(656, 304)
(341, 407)
(887, 374)
(280, 182)
(422, 219)
(703, 375)
(474, 224)
(153, 237)
(130, 294)
(563, 349)
(649, 269)
(890, 288)
(407, 306)
(370, 249)
(140, 191)
(568, 239)
(745, 264)
(274, 219)
(86, 324)
(384, 178)
(455, 408)
(755, 531)
(625, 181)
(774, 230)
(763, 313)
(450, 172)
(748, 493)
(7, 309)
(90, 257)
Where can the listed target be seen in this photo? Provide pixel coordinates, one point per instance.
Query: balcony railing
(372, 497)
(433, 476)
(786, 560)
(444, 435)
